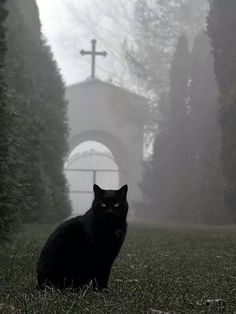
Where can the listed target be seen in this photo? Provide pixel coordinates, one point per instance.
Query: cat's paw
(105, 290)
(101, 290)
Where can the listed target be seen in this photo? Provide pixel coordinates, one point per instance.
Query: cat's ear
(124, 190)
(97, 190)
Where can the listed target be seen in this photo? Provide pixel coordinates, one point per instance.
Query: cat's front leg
(102, 278)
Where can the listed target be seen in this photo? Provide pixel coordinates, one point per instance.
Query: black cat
(82, 249)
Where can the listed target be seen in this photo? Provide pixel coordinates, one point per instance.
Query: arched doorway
(109, 114)
(90, 162)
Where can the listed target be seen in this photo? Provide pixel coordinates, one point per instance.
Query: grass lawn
(161, 269)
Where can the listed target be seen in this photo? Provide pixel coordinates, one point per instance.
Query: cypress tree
(179, 147)
(166, 183)
(34, 77)
(54, 138)
(221, 29)
(10, 198)
(207, 200)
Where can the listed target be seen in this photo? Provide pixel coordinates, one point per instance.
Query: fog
(117, 156)
(74, 25)
(151, 116)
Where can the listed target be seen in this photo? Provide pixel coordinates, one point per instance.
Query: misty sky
(55, 20)
(70, 25)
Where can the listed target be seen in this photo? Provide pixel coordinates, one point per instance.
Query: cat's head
(110, 204)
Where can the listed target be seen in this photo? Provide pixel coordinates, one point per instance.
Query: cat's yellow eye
(117, 205)
(103, 205)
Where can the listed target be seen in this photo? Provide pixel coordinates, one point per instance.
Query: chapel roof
(97, 81)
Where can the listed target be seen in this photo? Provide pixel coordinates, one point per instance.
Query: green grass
(160, 268)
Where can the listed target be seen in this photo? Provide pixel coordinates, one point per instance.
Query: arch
(78, 156)
(111, 142)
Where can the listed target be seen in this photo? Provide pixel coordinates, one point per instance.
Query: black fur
(82, 249)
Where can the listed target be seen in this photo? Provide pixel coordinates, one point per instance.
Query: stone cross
(93, 53)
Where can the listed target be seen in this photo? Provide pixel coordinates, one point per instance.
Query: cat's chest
(119, 235)
(110, 238)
